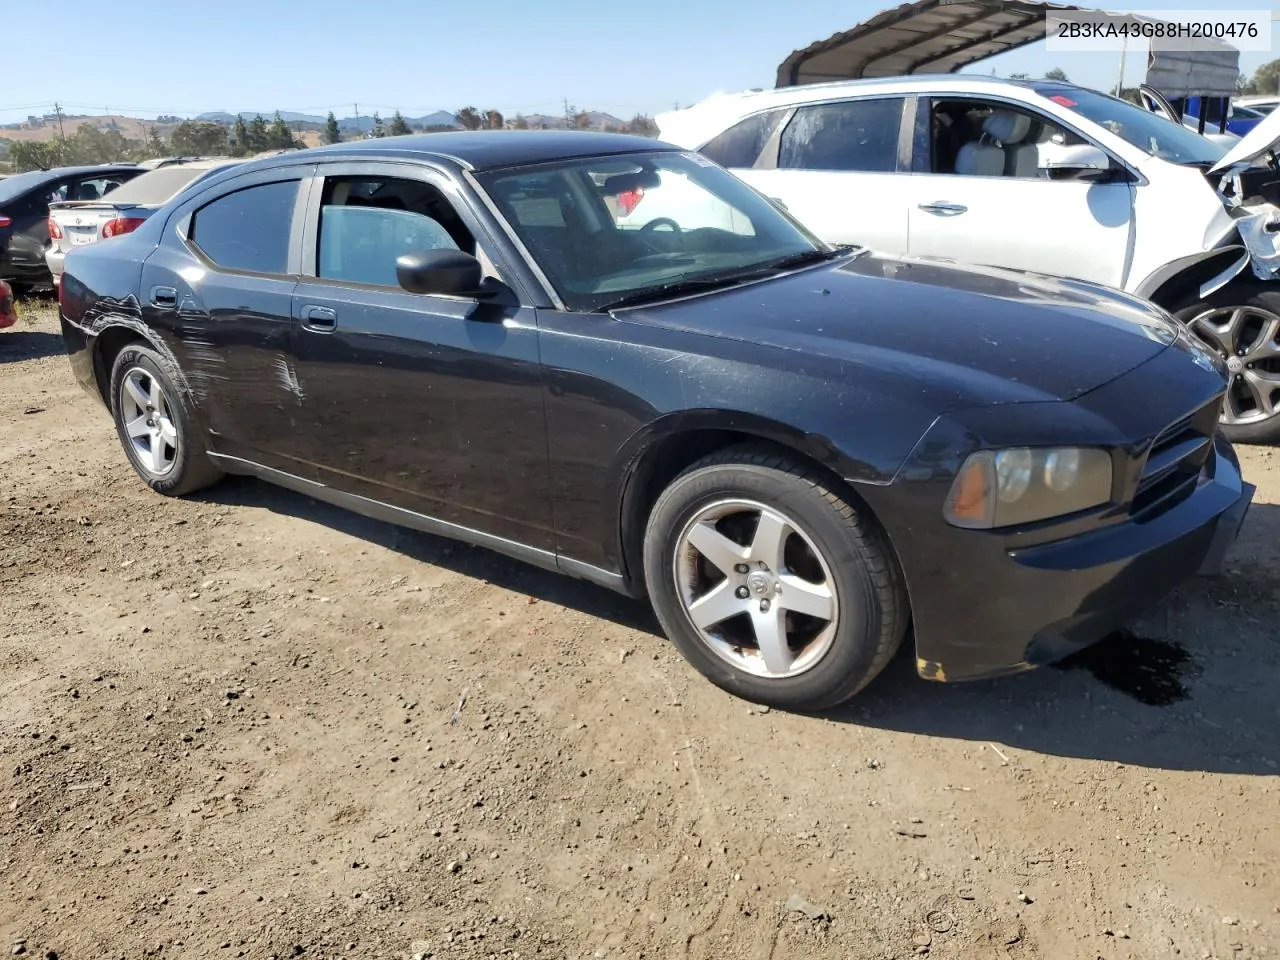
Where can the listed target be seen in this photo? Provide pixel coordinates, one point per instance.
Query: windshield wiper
(755, 272)
(807, 257)
(673, 289)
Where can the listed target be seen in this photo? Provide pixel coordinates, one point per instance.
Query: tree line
(91, 144)
(471, 118)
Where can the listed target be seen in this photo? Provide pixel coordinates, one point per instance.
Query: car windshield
(13, 187)
(1149, 132)
(610, 229)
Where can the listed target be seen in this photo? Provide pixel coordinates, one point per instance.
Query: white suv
(1033, 175)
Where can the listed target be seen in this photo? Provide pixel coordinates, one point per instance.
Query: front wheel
(771, 583)
(1241, 323)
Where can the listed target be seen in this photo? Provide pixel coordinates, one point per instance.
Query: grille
(1174, 463)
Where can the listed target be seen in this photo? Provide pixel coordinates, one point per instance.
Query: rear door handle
(164, 297)
(320, 319)
(944, 209)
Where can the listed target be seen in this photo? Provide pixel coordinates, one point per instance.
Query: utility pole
(57, 108)
(356, 108)
(1124, 46)
(566, 110)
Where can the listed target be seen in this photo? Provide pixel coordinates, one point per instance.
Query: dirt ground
(249, 725)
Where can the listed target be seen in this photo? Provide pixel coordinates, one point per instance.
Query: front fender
(1194, 276)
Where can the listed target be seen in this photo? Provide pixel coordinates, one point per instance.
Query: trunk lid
(81, 221)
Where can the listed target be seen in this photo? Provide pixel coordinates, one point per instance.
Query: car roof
(54, 173)
(479, 149)
(718, 112)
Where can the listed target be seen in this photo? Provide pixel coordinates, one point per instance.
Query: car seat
(998, 151)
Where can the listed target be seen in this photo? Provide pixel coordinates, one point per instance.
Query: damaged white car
(1039, 176)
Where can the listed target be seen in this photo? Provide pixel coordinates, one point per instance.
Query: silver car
(73, 223)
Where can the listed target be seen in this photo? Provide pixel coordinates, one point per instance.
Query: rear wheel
(770, 582)
(1241, 323)
(155, 425)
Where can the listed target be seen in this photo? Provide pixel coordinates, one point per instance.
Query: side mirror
(449, 273)
(1082, 160)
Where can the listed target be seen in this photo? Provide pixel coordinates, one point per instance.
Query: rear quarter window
(248, 230)
(741, 145)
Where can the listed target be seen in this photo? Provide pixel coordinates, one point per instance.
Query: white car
(73, 223)
(1038, 176)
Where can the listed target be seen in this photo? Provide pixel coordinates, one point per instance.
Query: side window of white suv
(981, 138)
(854, 135)
(740, 147)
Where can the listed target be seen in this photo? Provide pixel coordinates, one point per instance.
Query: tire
(831, 550)
(147, 407)
(1245, 417)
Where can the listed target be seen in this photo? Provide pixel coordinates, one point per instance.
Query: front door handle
(944, 209)
(164, 297)
(320, 319)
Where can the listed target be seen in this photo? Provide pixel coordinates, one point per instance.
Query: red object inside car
(628, 200)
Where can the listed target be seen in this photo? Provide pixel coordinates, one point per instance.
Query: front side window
(741, 145)
(248, 230)
(605, 228)
(856, 135)
(990, 139)
(367, 223)
(1149, 132)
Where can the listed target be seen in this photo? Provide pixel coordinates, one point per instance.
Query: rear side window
(857, 135)
(741, 144)
(249, 229)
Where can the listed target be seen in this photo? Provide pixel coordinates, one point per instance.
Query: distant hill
(598, 120)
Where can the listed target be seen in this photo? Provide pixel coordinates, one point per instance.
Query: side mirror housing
(449, 273)
(1079, 161)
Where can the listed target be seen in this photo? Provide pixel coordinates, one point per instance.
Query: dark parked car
(24, 213)
(794, 450)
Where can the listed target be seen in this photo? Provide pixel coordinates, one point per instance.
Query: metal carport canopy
(929, 36)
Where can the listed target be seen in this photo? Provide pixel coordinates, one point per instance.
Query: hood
(970, 336)
(1252, 145)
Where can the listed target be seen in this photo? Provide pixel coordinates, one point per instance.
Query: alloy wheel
(1246, 337)
(148, 422)
(757, 589)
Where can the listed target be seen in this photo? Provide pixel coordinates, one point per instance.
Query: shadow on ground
(1190, 686)
(17, 344)
(440, 552)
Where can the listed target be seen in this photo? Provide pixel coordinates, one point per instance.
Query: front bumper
(990, 608)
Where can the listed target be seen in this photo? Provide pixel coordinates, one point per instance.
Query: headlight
(1005, 488)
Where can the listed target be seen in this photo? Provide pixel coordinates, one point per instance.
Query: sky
(154, 57)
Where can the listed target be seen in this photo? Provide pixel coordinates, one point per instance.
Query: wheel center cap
(761, 584)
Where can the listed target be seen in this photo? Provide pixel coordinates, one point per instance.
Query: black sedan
(611, 358)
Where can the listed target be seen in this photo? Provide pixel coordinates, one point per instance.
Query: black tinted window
(740, 145)
(857, 135)
(248, 229)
